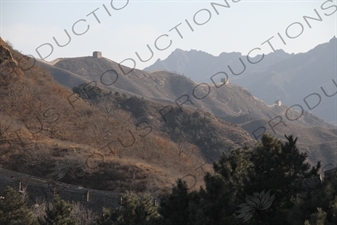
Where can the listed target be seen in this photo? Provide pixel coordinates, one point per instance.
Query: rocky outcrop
(9, 67)
(5, 54)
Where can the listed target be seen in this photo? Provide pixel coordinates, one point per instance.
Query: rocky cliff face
(5, 54)
(9, 67)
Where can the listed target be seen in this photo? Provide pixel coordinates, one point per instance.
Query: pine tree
(223, 189)
(333, 210)
(138, 211)
(58, 214)
(108, 217)
(132, 211)
(280, 168)
(174, 208)
(264, 182)
(14, 210)
(269, 184)
(320, 203)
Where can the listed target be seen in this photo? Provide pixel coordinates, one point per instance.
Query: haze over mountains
(227, 102)
(306, 79)
(44, 122)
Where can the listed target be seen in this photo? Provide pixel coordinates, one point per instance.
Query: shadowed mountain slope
(228, 101)
(279, 76)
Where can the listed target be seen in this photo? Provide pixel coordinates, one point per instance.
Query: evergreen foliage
(269, 184)
(137, 106)
(195, 129)
(14, 209)
(174, 208)
(58, 214)
(89, 91)
(132, 211)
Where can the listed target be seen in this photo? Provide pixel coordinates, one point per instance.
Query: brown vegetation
(43, 124)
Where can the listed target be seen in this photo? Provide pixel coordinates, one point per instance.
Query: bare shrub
(5, 143)
(37, 155)
(83, 215)
(39, 208)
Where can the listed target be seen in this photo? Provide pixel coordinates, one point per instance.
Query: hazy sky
(241, 26)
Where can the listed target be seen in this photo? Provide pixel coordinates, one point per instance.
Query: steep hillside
(202, 129)
(105, 140)
(228, 102)
(64, 76)
(47, 131)
(225, 101)
(319, 143)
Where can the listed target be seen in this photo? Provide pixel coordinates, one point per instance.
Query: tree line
(269, 184)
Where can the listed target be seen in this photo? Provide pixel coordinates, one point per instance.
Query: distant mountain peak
(333, 40)
(178, 50)
(280, 51)
(230, 53)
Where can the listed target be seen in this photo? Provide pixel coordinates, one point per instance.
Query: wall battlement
(37, 188)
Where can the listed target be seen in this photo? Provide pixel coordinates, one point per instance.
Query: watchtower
(97, 55)
(225, 80)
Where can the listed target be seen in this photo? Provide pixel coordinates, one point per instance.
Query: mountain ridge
(229, 102)
(279, 76)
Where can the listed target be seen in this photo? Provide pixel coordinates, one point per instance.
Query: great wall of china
(37, 188)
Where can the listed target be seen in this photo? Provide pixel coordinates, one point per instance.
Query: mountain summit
(289, 78)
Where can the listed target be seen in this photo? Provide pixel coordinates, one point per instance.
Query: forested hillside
(268, 184)
(107, 141)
